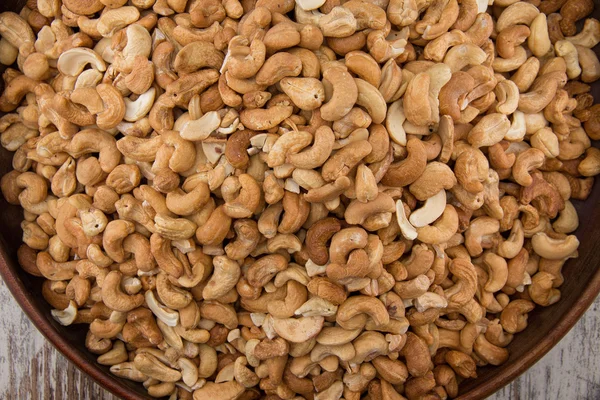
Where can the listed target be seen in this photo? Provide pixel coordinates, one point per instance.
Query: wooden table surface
(30, 368)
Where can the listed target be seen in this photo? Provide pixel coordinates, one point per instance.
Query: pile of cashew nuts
(309, 199)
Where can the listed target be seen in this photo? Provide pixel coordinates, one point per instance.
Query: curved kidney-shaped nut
(490, 130)
(357, 267)
(541, 92)
(116, 19)
(265, 268)
(151, 366)
(296, 211)
(554, 249)
(318, 153)
(165, 257)
(394, 122)
(114, 234)
(526, 74)
(461, 363)
(568, 52)
(539, 40)
(507, 94)
(417, 107)
(127, 370)
(416, 353)
(436, 176)
(117, 355)
(510, 64)
(517, 13)
(514, 316)
(407, 171)
(407, 229)
(336, 336)
(306, 93)
(571, 12)
(344, 95)
(244, 62)
(317, 237)
(524, 163)
(219, 391)
(286, 145)
(140, 149)
(115, 298)
(114, 107)
(143, 320)
(248, 199)
(124, 178)
(357, 212)
(16, 89)
(263, 119)
(490, 353)
(497, 272)
(170, 295)
(277, 67)
(247, 238)
(73, 61)
(463, 55)
(542, 289)
(511, 246)
(140, 247)
(52, 270)
(243, 375)
(343, 351)
(197, 55)
(365, 184)
(344, 241)
(182, 203)
(364, 66)
(339, 22)
(371, 99)
(590, 66)
(174, 228)
(342, 162)
(225, 276)
(589, 35)
(33, 188)
(393, 371)
(316, 306)
(287, 242)
(298, 330)
(296, 295)
(546, 141)
(442, 230)
(452, 95)
(368, 346)
(353, 312)
(510, 38)
(17, 31)
(432, 209)
(138, 109)
(283, 34)
(479, 233)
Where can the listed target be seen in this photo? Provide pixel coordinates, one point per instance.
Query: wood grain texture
(30, 368)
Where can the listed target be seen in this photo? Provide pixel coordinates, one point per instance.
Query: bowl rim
(63, 345)
(112, 384)
(564, 325)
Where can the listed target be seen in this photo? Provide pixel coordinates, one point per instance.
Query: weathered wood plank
(30, 368)
(571, 370)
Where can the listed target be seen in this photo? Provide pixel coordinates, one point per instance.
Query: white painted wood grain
(30, 368)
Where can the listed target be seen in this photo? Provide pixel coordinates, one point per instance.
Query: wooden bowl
(547, 325)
